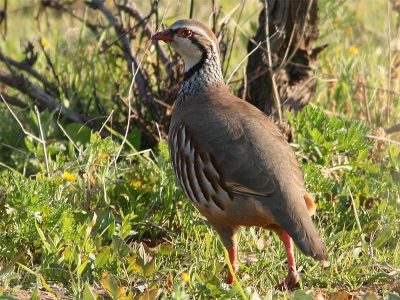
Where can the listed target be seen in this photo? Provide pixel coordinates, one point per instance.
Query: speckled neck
(202, 76)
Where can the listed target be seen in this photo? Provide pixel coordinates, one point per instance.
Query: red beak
(165, 36)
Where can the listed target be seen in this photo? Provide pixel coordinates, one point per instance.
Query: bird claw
(291, 281)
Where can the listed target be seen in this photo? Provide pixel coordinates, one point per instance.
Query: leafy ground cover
(87, 217)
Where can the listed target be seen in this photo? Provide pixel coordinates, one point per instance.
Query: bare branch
(44, 100)
(126, 47)
(129, 7)
(57, 5)
(14, 101)
(24, 66)
(393, 129)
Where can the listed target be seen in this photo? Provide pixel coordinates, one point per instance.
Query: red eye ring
(185, 32)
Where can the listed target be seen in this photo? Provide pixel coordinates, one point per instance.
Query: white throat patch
(190, 53)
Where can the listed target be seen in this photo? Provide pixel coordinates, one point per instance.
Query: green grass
(101, 222)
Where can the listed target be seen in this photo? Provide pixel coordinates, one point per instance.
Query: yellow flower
(45, 43)
(69, 177)
(347, 30)
(353, 50)
(185, 277)
(137, 185)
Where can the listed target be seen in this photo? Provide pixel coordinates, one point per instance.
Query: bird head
(191, 39)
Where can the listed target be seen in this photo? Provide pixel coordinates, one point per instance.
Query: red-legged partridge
(230, 159)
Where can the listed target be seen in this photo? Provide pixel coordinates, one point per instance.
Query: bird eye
(185, 33)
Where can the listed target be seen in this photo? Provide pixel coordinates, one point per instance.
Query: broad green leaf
(301, 295)
(87, 292)
(148, 295)
(166, 249)
(145, 261)
(103, 257)
(119, 247)
(79, 134)
(383, 237)
(56, 274)
(109, 284)
(135, 139)
(82, 266)
(393, 296)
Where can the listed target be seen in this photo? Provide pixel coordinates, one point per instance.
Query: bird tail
(301, 229)
(308, 240)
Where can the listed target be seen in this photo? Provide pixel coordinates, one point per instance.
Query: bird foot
(229, 279)
(291, 281)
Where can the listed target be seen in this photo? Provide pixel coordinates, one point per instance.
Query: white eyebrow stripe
(194, 28)
(197, 29)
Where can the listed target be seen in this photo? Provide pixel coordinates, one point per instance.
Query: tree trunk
(293, 31)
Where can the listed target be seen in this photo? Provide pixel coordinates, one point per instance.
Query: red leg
(293, 277)
(228, 238)
(232, 258)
